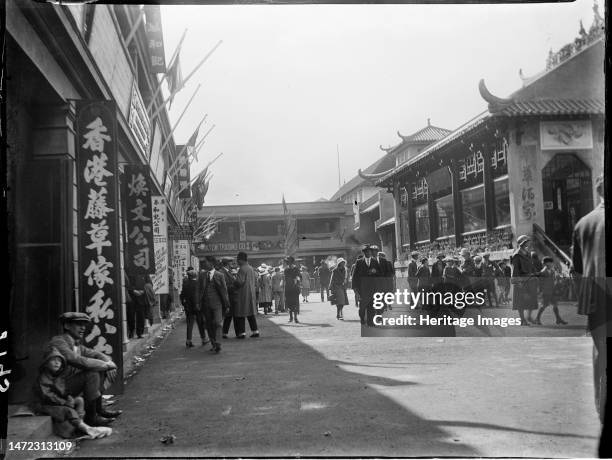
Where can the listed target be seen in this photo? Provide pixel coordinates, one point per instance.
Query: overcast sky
(289, 83)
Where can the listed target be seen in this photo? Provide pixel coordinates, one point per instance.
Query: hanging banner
(155, 38)
(139, 253)
(160, 244)
(180, 262)
(182, 171)
(98, 227)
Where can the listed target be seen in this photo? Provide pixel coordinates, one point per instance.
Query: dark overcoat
(524, 282)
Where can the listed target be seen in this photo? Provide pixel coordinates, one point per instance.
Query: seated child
(51, 398)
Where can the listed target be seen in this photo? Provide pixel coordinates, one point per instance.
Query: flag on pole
(175, 78)
(291, 236)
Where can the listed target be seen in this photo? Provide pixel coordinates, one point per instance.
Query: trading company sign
(160, 244)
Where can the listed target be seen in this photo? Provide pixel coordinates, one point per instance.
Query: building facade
(58, 58)
(324, 228)
(526, 165)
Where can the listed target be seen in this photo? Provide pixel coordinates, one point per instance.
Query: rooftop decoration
(581, 41)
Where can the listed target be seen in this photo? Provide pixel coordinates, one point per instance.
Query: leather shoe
(110, 413)
(99, 421)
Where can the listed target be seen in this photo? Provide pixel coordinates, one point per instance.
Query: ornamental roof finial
(429, 122)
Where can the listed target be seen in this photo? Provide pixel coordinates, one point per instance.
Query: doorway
(568, 195)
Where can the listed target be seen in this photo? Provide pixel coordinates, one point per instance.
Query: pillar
(457, 208)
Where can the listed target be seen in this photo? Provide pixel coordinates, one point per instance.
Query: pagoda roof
(575, 86)
(384, 163)
(427, 134)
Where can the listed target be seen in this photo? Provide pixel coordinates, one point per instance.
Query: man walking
(277, 291)
(324, 277)
(589, 264)
(214, 301)
(190, 299)
(387, 272)
(232, 294)
(86, 369)
(365, 283)
(247, 306)
(413, 267)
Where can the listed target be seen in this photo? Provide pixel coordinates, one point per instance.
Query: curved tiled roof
(428, 134)
(555, 107)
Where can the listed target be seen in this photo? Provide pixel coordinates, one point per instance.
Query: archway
(568, 195)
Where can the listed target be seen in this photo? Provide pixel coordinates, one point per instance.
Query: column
(489, 199)
(431, 210)
(410, 212)
(457, 208)
(396, 212)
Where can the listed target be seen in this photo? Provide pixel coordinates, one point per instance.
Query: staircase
(544, 246)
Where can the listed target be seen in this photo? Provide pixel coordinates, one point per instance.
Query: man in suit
(190, 299)
(214, 300)
(589, 264)
(365, 283)
(324, 277)
(413, 267)
(388, 274)
(232, 292)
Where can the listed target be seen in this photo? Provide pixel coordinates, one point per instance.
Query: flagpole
(200, 144)
(173, 164)
(179, 119)
(135, 27)
(176, 51)
(338, 154)
(197, 176)
(173, 93)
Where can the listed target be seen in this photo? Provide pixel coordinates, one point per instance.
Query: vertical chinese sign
(181, 261)
(98, 223)
(139, 255)
(160, 244)
(155, 38)
(182, 172)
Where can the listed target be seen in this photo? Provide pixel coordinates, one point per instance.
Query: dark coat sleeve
(48, 393)
(219, 279)
(88, 359)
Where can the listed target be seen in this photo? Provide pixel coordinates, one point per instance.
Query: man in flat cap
(86, 369)
(365, 283)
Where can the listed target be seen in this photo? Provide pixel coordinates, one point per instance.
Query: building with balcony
(57, 55)
(324, 228)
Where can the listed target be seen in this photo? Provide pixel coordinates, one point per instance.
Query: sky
(293, 84)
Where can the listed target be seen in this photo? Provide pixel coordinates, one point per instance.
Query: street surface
(318, 388)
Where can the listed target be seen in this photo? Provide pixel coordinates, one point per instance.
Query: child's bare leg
(79, 406)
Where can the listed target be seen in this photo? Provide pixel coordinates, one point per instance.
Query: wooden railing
(564, 259)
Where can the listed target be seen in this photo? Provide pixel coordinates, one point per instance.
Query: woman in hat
(265, 289)
(292, 288)
(524, 281)
(305, 278)
(337, 287)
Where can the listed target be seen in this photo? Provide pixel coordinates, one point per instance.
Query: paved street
(318, 388)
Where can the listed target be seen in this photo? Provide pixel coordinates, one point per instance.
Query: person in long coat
(277, 291)
(337, 287)
(190, 299)
(423, 276)
(589, 266)
(524, 281)
(305, 277)
(413, 267)
(265, 290)
(247, 306)
(324, 275)
(292, 288)
(232, 293)
(468, 270)
(365, 282)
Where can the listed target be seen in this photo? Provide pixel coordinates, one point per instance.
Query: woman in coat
(524, 281)
(265, 290)
(337, 287)
(152, 301)
(292, 288)
(305, 277)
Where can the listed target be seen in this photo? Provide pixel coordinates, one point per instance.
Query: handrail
(560, 253)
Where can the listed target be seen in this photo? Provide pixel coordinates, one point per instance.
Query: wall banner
(181, 260)
(155, 38)
(98, 226)
(139, 253)
(160, 244)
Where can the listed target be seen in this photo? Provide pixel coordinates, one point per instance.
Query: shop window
(473, 209)
(502, 202)
(446, 216)
(422, 222)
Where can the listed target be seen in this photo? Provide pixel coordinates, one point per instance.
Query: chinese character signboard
(138, 120)
(160, 244)
(98, 223)
(155, 38)
(139, 254)
(181, 261)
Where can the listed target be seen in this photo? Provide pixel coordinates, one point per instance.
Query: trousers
(197, 318)
(87, 382)
(214, 323)
(240, 325)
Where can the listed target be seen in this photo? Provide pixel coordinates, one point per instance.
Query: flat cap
(74, 316)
